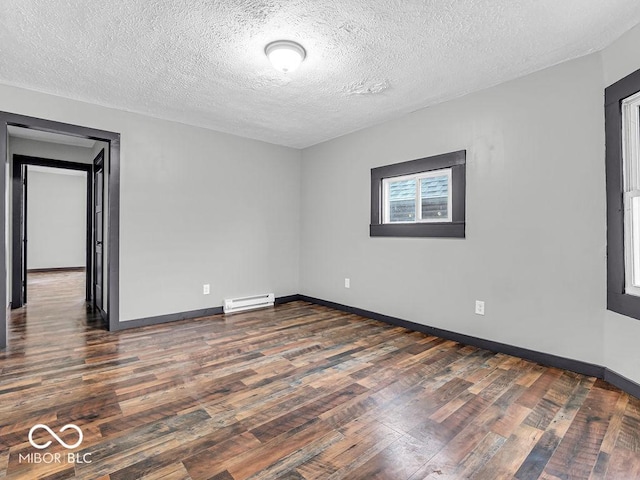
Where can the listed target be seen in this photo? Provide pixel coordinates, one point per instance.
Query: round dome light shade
(285, 55)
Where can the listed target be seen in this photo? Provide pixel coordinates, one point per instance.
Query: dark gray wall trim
(449, 230)
(459, 201)
(435, 162)
(617, 300)
(623, 88)
(454, 160)
(287, 299)
(17, 274)
(17, 264)
(3, 328)
(113, 260)
(3, 219)
(174, 317)
(51, 126)
(50, 162)
(624, 304)
(90, 232)
(7, 118)
(57, 269)
(623, 383)
(171, 317)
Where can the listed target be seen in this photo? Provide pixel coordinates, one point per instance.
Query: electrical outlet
(347, 283)
(479, 307)
(205, 289)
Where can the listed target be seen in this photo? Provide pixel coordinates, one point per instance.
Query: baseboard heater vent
(232, 305)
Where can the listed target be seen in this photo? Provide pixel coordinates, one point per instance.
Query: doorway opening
(57, 221)
(81, 248)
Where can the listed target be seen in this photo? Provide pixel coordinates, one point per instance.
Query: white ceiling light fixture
(285, 55)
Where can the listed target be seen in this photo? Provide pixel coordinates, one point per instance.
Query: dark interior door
(23, 232)
(19, 259)
(98, 231)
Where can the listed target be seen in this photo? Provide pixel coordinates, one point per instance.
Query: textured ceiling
(202, 62)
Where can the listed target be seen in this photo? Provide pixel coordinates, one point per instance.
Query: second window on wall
(423, 197)
(622, 126)
(419, 198)
(631, 162)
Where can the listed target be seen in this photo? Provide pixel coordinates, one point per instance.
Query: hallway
(56, 311)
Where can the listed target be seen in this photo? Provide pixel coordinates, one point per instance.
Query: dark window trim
(454, 229)
(617, 300)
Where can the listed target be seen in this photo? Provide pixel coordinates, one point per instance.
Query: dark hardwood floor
(295, 392)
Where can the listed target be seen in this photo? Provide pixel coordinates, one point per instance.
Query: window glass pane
(631, 141)
(434, 193)
(635, 240)
(402, 201)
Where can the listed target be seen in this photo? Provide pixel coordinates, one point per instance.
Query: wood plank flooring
(295, 392)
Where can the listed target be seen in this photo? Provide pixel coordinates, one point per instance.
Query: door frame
(16, 251)
(92, 249)
(113, 206)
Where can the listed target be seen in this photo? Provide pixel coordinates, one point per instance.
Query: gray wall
(56, 220)
(535, 244)
(197, 207)
(536, 226)
(621, 334)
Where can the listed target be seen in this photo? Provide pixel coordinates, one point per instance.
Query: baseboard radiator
(233, 305)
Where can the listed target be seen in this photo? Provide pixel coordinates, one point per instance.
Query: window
(419, 198)
(631, 172)
(622, 125)
(424, 197)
